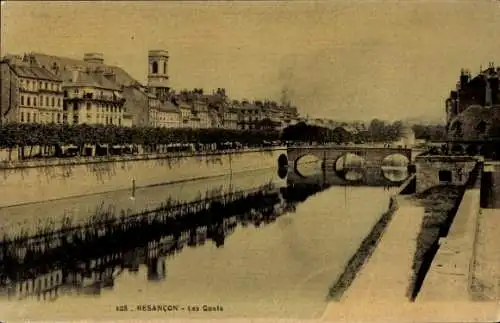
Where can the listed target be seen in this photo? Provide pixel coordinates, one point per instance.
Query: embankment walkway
(387, 274)
(450, 276)
(486, 274)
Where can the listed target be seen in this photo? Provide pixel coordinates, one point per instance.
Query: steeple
(158, 80)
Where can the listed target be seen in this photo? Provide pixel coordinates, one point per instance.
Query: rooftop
(65, 64)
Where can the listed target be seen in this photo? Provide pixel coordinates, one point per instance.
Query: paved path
(386, 276)
(486, 282)
(449, 276)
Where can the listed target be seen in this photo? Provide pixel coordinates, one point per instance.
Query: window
(28, 84)
(34, 102)
(22, 99)
(40, 84)
(34, 117)
(28, 117)
(28, 101)
(53, 101)
(59, 102)
(53, 117)
(89, 106)
(444, 176)
(155, 68)
(164, 67)
(22, 116)
(46, 85)
(58, 118)
(75, 91)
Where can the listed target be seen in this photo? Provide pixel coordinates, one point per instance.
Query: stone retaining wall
(450, 276)
(43, 180)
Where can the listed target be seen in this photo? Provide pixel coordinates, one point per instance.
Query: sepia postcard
(250, 161)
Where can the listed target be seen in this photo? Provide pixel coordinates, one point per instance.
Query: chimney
(464, 79)
(95, 58)
(110, 75)
(74, 75)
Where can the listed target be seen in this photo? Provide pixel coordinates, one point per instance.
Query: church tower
(158, 82)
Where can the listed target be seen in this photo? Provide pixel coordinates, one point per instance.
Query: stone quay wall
(42, 180)
(437, 170)
(449, 278)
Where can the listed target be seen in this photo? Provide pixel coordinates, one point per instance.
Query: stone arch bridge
(372, 157)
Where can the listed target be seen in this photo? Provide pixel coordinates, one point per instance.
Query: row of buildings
(40, 88)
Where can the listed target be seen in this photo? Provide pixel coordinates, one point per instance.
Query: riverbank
(441, 204)
(29, 217)
(45, 180)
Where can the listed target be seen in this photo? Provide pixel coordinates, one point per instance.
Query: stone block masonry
(450, 276)
(56, 179)
(437, 170)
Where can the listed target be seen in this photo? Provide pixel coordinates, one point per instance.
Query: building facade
(9, 93)
(91, 97)
(473, 108)
(32, 94)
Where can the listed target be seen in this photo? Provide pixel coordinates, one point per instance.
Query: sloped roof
(34, 72)
(90, 79)
(136, 103)
(168, 106)
(472, 116)
(66, 64)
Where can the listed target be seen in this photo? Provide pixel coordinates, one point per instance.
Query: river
(276, 266)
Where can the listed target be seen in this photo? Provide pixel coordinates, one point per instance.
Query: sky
(344, 60)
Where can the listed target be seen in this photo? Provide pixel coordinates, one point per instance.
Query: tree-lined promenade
(49, 139)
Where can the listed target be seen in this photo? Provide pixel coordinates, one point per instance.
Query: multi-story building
(92, 97)
(473, 109)
(230, 118)
(201, 114)
(116, 85)
(165, 115)
(32, 93)
(248, 115)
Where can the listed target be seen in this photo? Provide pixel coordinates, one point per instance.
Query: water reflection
(350, 167)
(395, 167)
(308, 165)
(88, 258)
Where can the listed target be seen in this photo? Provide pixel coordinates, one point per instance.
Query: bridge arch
(395, 167)
(350, 166)
(308, 164)
(282, 161)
